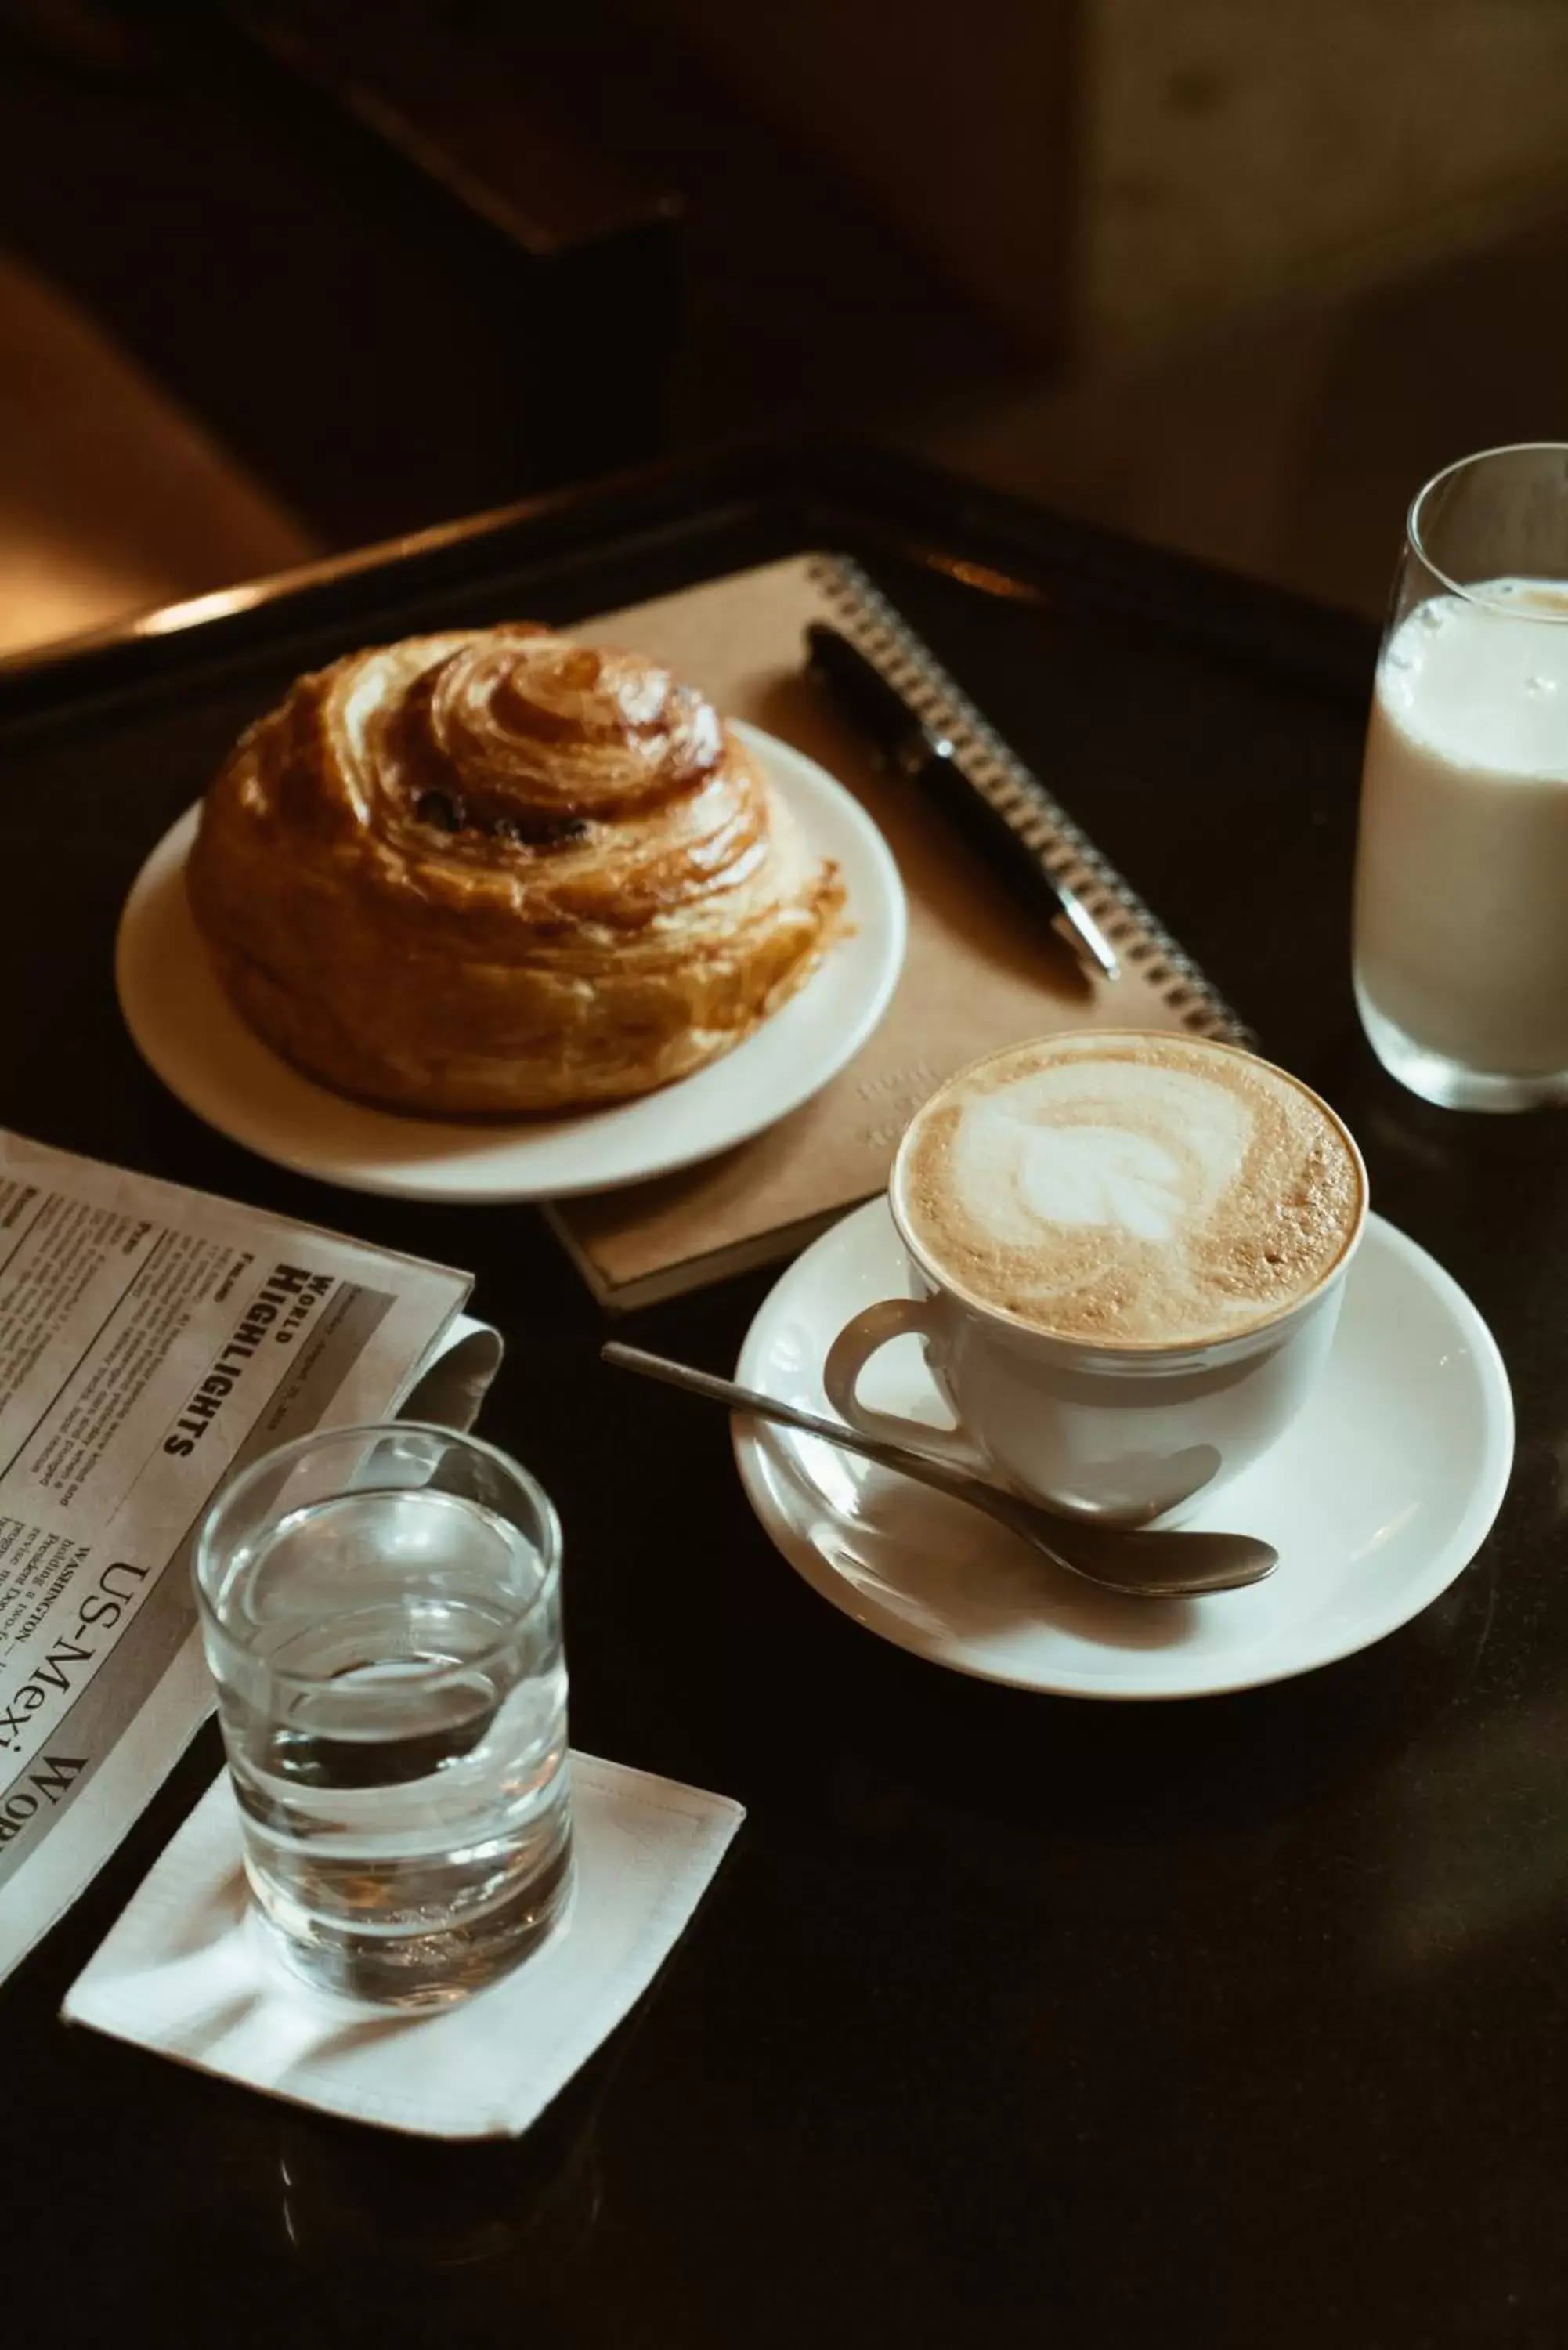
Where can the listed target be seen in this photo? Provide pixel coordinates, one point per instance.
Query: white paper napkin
(189, 1971)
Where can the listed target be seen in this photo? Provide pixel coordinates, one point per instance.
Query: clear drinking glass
(381, 1614)
(1462, 883)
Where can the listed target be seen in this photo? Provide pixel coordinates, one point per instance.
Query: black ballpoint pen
(906, 745)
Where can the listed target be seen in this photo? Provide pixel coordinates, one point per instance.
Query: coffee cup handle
(875, 1326)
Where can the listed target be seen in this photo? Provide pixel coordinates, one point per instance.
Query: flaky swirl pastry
(493, 872)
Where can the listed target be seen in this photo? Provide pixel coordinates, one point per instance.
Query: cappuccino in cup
(1133, 1191)
(1128, 1251)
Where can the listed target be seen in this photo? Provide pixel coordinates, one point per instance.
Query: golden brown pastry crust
(493, 872)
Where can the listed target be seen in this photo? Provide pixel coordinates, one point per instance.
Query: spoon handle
(738, 1398)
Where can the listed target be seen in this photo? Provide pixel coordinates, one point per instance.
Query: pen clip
(1078, 928)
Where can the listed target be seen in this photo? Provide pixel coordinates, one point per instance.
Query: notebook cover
(980, 970)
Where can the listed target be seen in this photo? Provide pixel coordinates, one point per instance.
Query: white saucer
(185, 1029)
(1382, 1491)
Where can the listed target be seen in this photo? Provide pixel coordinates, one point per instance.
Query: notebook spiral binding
(1031, 812)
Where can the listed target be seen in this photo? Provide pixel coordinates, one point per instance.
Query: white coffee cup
(1129, 1436)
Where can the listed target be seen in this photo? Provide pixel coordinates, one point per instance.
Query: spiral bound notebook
(980, 970)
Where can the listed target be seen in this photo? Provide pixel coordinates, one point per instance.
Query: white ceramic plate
(188, 1034)
(1378, 1496)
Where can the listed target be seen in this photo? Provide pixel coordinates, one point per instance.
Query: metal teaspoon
(1152, 1566)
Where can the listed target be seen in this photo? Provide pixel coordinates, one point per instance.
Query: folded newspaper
(151, 1340)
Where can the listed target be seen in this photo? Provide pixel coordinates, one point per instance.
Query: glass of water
(381, 1613)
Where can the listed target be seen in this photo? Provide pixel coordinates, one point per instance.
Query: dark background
(281, 277)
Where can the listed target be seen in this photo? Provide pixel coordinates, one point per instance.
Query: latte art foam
(1133, 1191)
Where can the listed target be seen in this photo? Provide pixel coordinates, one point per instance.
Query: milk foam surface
(1134, 1192)
(1482, 679)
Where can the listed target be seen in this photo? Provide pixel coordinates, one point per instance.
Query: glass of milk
(1461, 878)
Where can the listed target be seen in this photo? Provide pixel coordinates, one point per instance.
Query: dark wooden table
(1008, 2019)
